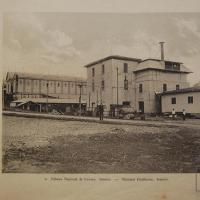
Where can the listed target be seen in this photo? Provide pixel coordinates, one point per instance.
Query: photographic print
(101, 92)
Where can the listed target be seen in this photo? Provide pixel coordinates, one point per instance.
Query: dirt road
(33, 145)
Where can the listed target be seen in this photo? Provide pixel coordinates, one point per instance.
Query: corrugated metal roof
(50, 100)
(44, 77)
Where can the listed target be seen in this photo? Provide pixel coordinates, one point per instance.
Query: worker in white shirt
(184, 114)
(173, 113)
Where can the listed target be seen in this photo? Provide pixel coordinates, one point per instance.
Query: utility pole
(89, 100)
(97, 97)
(47, 97)
(117, 91)
(80, 86)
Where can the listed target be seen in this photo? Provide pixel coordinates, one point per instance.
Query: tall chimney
(162, 50)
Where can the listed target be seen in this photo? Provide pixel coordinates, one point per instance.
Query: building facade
(117, 80)
(23, 85)
(187, 98)
(155, 76)
(109, 81)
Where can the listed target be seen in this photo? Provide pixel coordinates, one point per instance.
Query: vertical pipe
(117, 88)
(162, 50)
(117, 91)
(80, 86)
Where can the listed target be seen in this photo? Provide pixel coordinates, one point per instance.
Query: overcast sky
(61, 43)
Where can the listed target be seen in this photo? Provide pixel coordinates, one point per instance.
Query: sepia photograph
(101, 92)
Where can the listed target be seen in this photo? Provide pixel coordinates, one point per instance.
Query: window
(172, 66)
(102, 84)
(190, 99)
(20, 82)
(103, 69)
(93, 86)
(164, 87)
(125, 84)
(125, 68)
(93, 72)
(140, 88)
(58, 84)
(177, 87)
(126, 103)
(173, 100)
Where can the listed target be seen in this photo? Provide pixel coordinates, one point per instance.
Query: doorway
(141, 106)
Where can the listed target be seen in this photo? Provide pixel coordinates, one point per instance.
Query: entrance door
(141, 106)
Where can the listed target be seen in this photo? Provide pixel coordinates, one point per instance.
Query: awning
(49, 100)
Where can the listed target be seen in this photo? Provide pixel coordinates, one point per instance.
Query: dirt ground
(54, 146)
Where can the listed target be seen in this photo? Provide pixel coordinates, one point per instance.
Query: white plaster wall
(152, 82)
(181, 102)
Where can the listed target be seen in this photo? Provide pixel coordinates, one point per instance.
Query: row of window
(165, 87)
(51, 83)
(103, 85)
(103, 69)
(190, 100)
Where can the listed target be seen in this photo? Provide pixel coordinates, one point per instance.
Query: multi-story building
(154, 76)
(116, 81)
(109, 81)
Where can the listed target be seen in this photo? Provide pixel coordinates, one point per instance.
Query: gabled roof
(113, 57)
(184, 90)
(11, 75)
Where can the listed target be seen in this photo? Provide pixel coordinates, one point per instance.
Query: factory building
(116, 81)
(27, 87)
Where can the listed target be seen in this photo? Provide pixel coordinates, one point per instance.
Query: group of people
(183, 114)
(101, 111)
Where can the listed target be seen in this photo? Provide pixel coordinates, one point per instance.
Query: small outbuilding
(187, 98)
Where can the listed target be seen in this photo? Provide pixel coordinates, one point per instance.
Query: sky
(62, 42)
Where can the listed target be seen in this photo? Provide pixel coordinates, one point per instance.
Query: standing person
(173, 113)
(184, 114)
(101, 110)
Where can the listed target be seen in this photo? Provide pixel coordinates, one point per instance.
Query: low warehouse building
(64, 106)
(187, 98)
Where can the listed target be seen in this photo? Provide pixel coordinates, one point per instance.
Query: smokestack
(162, 50)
